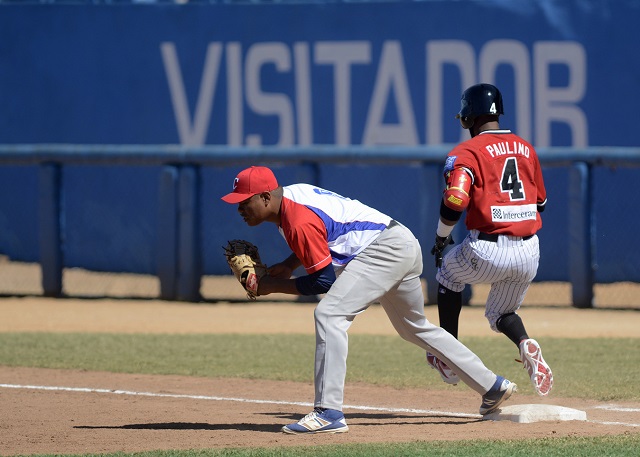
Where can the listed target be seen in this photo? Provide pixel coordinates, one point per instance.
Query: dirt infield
(69, 411)
(40, 421)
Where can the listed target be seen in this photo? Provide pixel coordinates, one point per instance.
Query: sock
(333, 414)
(511, 325)
(449, 307)
(497, 385)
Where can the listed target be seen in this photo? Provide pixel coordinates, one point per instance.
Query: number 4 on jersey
(511, 181)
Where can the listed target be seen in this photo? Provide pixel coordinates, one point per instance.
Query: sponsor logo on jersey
(514, 213)
(319, 191)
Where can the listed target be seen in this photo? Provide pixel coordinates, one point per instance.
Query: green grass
(379, 360)
(616, 446)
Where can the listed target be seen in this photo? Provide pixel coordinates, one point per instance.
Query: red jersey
(507, 184)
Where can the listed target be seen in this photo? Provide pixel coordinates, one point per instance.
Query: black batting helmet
(478, 100)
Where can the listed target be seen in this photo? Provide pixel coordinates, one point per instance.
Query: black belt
(393, 223)
(494, 237)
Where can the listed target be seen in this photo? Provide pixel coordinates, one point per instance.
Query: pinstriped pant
(388, 271)
(509, 265)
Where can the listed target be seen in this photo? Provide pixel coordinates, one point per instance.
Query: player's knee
(497, 322)
(325, 315)
(509, 322)
(500, 323)
(319, 314)
(407, 333)
(503, 320)
(512, 326)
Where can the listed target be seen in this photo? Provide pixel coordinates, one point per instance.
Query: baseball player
(496, 177)
(355, 255)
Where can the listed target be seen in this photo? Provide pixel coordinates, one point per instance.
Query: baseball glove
(244, 260)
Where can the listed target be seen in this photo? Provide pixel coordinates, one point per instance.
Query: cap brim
(235, 197)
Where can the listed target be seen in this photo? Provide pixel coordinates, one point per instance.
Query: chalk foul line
(614, 408)
(235, 399)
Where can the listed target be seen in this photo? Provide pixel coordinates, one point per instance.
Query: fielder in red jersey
(496, 178)
(354, 255)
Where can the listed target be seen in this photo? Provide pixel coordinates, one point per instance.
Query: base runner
(496, 177)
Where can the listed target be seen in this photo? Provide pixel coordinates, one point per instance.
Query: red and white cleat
(446, 373)
(539, 372)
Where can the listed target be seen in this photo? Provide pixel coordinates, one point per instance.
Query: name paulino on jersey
(506, 148)
(514, 213)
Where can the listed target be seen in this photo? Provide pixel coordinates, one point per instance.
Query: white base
(536, 413)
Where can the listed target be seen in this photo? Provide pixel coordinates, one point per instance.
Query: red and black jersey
(507, 183)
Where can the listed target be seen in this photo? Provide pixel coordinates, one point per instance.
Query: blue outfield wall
(157, 209)
(296, 85)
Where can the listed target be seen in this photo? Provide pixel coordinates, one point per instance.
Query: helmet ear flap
(466, 122)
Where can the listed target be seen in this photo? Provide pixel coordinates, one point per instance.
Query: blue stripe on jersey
(336, 229)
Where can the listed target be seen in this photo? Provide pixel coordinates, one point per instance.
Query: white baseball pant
(509, 265)
(388, 271)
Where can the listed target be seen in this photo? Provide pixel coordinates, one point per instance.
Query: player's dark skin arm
(269, 285)
(279, 278)
(318, 282)
(266, 207)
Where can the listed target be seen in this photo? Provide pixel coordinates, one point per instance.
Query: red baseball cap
(251, 181)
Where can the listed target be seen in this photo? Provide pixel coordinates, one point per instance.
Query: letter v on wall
(192, 134)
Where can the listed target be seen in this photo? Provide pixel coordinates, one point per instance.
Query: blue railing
(178, 258)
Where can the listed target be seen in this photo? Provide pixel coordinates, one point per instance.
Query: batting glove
(438, 248)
